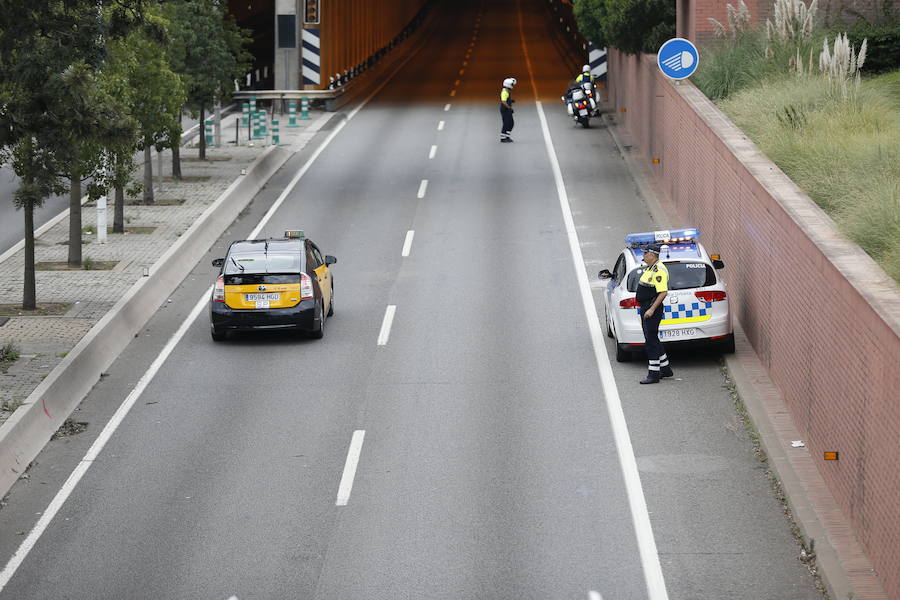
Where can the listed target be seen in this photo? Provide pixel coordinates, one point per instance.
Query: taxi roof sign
(664, 236)
(294, 234)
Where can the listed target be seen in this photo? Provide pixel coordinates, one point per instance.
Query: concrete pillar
(286, 76)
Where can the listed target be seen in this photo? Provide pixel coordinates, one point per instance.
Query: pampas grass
(843, 152)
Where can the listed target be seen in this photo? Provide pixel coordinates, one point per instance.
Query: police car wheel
(217, 336)
(727, 345)
(623, 355)
(319, 332)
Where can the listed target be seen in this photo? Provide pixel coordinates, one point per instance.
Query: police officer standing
(506, 110)
(653, 288)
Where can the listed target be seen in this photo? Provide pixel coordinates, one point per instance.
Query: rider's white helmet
(586, 68)
(509, 82)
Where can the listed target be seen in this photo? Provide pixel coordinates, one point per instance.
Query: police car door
(322, 274)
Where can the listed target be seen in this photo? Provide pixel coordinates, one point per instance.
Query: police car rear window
(258, 278)
(682, 276)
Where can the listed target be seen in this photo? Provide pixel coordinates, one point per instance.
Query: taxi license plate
(671, 334)
(272, 296)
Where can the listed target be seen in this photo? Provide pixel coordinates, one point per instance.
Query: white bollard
(101, 220)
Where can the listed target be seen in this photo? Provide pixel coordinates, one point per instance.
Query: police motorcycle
(581, 103)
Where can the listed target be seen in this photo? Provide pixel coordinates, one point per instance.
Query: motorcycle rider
(585, 75)
(506, 110)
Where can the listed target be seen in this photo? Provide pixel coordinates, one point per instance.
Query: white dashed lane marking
(432, 152)
(407, 243)
(346, 486)
(440, 125)
(422, 187)
(385, 332)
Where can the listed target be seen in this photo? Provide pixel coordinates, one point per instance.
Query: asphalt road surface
(489, 466)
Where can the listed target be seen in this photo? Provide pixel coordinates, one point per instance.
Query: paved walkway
(43, 341)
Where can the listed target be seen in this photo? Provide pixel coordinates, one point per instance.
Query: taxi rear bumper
(302, 317)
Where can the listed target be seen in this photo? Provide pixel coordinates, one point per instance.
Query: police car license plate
(667, 334)
(583, 112)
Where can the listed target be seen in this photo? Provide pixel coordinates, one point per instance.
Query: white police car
(696, 308)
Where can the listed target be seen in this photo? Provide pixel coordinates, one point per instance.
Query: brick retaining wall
(822, 316)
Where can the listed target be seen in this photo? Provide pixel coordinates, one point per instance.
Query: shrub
(884, 45)
(632, 26)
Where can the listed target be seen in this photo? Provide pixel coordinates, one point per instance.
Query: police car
(696, 308)
(272, 284)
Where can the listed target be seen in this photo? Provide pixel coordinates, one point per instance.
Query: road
(12, 224)
(489, 466)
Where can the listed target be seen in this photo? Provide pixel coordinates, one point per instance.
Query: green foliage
(9, 353)
(883, 52)
(843, 153)
(632, 26)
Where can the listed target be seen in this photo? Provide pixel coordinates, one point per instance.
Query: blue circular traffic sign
(678, 58)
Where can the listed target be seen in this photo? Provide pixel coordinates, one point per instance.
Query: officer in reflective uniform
(506, 110)
(653, 288)
(585, 75)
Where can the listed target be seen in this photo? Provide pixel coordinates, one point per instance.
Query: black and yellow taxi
(272, 284)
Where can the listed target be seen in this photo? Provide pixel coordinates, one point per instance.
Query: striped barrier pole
(208, 131)
(276, 138)
(263, 124)
(304, 108)
(292, 114)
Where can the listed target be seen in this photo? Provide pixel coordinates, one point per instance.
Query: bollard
(101, 220)
(292, 114)
(304, 108)
(245, 123)
(208, 131)
(263, 124)
(255, 134)
(276, 138)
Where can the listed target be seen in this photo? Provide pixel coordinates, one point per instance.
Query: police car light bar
(635, 240)
(294, 234)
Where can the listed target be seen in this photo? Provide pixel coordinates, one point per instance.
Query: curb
(848, 574)
(27, 431)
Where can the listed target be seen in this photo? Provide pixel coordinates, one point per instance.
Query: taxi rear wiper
(237, 264)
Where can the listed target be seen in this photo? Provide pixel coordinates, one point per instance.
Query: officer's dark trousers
(656, 353)
(506, 115)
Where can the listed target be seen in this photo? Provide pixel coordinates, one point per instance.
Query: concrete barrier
(24, 435)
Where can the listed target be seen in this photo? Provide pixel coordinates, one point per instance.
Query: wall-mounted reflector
(830, 455)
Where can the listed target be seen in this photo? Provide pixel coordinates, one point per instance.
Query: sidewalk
(81, 298)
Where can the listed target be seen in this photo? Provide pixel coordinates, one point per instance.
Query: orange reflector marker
(623, 109)
(714, 256)
(655, 161)
(831, 455)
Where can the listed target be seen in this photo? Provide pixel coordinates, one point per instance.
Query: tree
(44, 39)
(207, 51)
(632, 26)
(152, 93)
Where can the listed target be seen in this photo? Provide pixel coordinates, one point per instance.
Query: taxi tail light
(629, 303)
(219, 290)
(710, 296)
(306, 288)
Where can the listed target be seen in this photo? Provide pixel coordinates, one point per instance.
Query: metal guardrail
(330, 97)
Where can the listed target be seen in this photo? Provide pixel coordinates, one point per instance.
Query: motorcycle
(581, 103)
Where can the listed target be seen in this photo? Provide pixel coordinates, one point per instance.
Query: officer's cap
(654, 248)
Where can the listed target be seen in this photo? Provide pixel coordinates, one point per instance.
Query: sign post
(678, 59)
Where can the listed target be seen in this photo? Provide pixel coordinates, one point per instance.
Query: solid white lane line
(346, 486)
(385, 332)
(432, 152)
(56, 504)
(440, 125)
(95, 449)
(446, 107)
(407, 243)
(452, 92)
(656, 585)
(423, 185)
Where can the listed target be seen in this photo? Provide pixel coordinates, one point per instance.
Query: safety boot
(652, 377)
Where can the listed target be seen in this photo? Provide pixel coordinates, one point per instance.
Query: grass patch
(10, 406)
(44, 309)
(87, 264)
(109, 230)
(217, 158)
(9, 353)
(842, 153)
(188, 179)
(159, 202)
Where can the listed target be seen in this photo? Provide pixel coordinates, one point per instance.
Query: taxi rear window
(682, 276)
(262, 263)
(258, 278)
